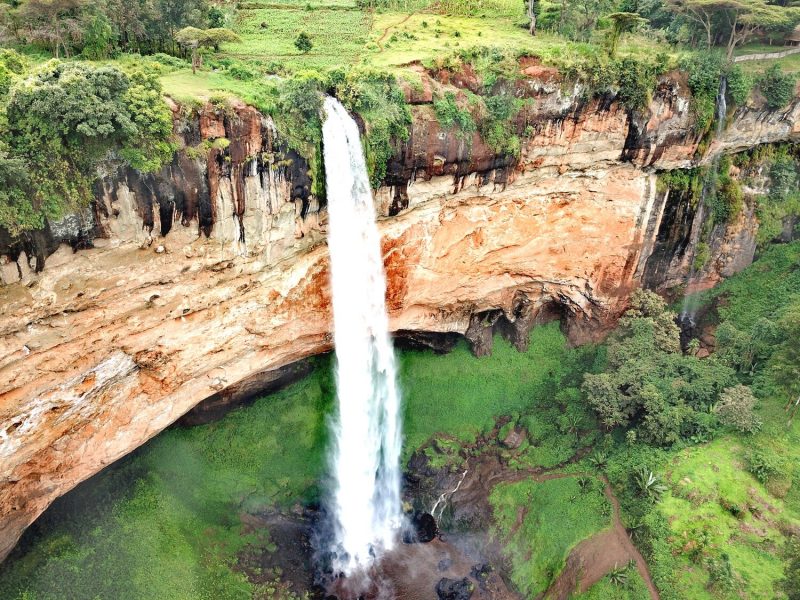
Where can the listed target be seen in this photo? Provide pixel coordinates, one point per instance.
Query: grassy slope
(555, 516)
(705, 479)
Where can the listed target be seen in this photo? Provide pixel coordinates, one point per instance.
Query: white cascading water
(366, 460)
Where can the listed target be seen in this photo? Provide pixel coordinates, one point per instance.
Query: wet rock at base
(481, 574)
(422, 529)
(454, 589)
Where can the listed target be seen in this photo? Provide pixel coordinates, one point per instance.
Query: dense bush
(62, 121)
(703, 70)
(777, 87)
(735, 409)
(650, 387)
(450, 115)
(378, 99)
(739, 84)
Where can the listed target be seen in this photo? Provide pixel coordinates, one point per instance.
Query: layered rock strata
(207, 280)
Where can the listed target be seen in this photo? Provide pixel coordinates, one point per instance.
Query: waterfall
(366, 458)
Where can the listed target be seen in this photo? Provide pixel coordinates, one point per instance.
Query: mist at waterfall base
(364, 506)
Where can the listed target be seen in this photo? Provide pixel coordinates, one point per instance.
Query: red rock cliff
(207, 278)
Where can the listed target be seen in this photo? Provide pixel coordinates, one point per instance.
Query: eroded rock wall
(212, 276)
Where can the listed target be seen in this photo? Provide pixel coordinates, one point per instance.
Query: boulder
(454, 589)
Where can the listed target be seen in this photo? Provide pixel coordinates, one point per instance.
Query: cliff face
(209, 279)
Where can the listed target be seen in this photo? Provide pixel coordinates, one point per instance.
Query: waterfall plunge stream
(366, 458)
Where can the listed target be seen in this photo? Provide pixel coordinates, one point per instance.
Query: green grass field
(338, 31)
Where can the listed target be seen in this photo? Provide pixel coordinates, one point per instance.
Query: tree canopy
(61, 121)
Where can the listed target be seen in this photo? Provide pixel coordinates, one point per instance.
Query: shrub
(703, 70)
(777, 87)
(303, 43)
(739, 85)
(764, 463)
(450, 114)
(735, 409)
(636, 79)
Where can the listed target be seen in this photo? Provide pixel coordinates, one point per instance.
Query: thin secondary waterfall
(688, 308)
(366, 460)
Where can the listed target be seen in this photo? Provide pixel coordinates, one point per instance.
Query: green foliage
(451, 115)
(648, 484)
(98, 37)
(626, 584)
(62, 121)
(701, 257)
(298, 112)
(636, 80)
(378, 99)
(777, 87)
(783, 200)
(704, 70)
(649, 385)
(735, 409)
(764, 464)
(790, 584)
(193, 37)
(150, 146)
(621, 23)
(727, 201)
(739, 85)
(303, 43)
(784, 364)
(553, 522)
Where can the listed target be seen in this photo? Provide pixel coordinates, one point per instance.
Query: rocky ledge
(207, 281)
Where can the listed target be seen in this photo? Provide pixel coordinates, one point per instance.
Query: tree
(734, 22)
(195, 39)
(621, 23)
(54, 23)
(649, 385)
(735, 409)
(175, 15)
(98, 37)
(303, 43)
(62, 122)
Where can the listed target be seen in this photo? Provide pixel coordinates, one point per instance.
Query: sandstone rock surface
(109, 345)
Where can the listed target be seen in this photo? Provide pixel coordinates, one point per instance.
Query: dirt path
(390, 27)
(595, 556)
(641, 563)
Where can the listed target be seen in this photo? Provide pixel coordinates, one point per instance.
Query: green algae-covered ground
(165, 522)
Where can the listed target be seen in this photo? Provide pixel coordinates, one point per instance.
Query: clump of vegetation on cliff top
(378, 99)
(60, 122)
